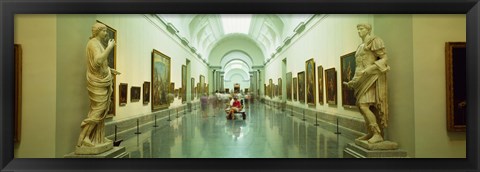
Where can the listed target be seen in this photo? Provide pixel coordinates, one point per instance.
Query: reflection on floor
(266, 133)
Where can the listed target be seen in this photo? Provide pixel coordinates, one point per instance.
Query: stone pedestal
(355, 151)
(97, 149)
(115, 152)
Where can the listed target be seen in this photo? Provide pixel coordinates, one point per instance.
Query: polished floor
(266, 133)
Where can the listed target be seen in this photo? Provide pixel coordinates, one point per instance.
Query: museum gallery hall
(240, 86)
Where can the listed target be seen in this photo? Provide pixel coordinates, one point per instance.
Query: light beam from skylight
(236, 23)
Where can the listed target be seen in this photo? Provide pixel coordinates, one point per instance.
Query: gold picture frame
(455, 62)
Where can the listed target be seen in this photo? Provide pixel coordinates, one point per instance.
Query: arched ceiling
(205, 31)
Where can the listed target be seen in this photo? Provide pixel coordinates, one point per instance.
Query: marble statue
(99, 85)
(370, 85)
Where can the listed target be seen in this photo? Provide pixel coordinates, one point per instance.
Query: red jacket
(237, 104)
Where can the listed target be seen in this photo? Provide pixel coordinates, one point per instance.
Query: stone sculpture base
(385, 145)
(354, 151)
(97, 149)
(115, 152)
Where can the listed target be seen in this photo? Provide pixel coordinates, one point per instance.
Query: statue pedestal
(353, 150)
(115, 152)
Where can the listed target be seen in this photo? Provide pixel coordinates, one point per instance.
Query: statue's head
(96, 28)
(364, 29)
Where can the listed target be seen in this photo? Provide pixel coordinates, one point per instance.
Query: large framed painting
(455, 62)
(320, 84)
(201, 90)
(280, 87)
(123, 91)
(160, 80)
(331, 84)
(289, 86)
(192, 89)
(146, 92)
(18, 92)
(112, 63)
(301, 86)
(295, 88)
(347, 71)
(183, 90)
(134, 94)
(310, 82)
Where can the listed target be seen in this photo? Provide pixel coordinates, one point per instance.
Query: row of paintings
(134, 93)
(160, 81)
(303, 87)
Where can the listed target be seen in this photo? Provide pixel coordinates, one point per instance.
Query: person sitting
(236, 106)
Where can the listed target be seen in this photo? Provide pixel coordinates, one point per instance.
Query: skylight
(236, 23)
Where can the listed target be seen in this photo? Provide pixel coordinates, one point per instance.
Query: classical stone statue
(99, 84)
(370, 85)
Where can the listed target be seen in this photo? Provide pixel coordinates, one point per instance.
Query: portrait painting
(134, 94)
(310, 82)
(455, 62)
(18, 92)
(295, 88)
(192, 89)
(320, 84)
(301, 86)
(331, 85)
(289, 86)
(123, 90)
(112, 63)
(146, 92)
(183, 90)
(160, 80)
(348, 66)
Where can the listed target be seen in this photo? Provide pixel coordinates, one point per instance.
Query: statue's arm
(101, 57)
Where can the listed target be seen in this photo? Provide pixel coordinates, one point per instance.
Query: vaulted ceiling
(206, 35)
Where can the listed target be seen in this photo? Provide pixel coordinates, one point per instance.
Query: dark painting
(331, 84)
(301, 86)
(320, 84)
(455, 59)
(348, 67)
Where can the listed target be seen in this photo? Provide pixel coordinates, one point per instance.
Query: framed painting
(295, 88)
(280, 87)
(320, 84)
(289, 86)
(331, 84)
(270, 89)
(347, 71)
(160, 80)
(134, 94)
(146, 92)
(455, 62)
(112, 63)
(172, 88)
(301, 86)
(18, 92)
(310, 82)
(123, 90)
(183, 90)
(201, 89)
(197, 90)
(192, 89)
